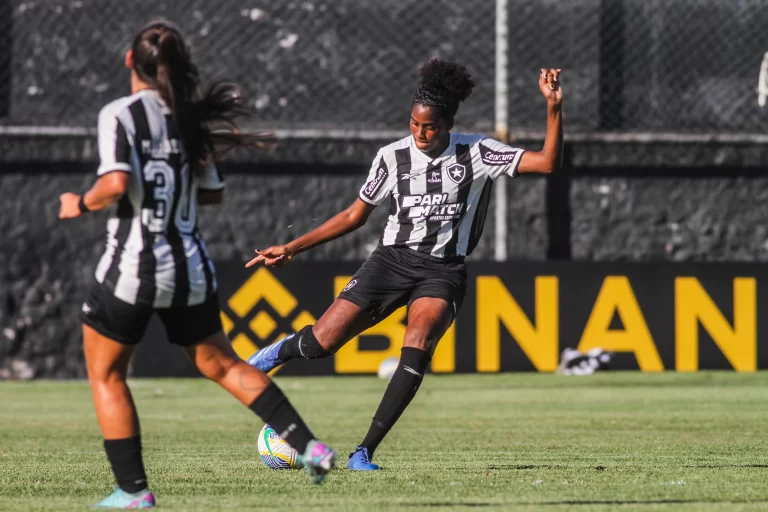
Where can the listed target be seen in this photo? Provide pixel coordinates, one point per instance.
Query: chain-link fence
(629, 65)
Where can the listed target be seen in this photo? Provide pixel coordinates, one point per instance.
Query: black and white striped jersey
(438, 206)
(155, 254)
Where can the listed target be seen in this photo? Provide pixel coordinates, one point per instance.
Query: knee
(106, 381)
(418, 338)
(106, 376)
(108, 384)
(215, 368)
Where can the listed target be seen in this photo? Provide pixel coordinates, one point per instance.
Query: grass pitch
(493, 442)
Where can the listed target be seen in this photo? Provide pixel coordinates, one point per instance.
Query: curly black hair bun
(443, 85)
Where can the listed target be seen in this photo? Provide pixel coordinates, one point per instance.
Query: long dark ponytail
(205, 120)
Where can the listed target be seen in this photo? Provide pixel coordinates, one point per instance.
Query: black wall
(583, 214)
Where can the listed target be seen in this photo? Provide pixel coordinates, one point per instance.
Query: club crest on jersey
(456, 172)
(435, 177)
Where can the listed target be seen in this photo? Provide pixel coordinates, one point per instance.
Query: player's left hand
(549, 85)
(70, 206)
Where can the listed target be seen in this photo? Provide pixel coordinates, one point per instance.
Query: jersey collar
(152, 93)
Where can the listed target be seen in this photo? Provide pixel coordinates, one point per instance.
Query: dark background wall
(599, 214)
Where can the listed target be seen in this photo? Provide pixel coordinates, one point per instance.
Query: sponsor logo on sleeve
(491, 157)
(372, 187)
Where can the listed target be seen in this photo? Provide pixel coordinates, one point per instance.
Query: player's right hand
(277, 256)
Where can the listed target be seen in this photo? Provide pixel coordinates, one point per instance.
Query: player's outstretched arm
(550, 158)
(340, 224)
(107, 190)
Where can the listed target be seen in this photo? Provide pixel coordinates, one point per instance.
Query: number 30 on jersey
(160, 179)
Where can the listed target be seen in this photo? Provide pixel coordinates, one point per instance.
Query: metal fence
(686, 66)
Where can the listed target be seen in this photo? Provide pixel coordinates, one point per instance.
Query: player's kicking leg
(428, 319)
(377, 289)
(339, 324)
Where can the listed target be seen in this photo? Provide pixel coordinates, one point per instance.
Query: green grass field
(495, 442)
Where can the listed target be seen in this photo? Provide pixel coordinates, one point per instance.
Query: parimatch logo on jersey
(432, 207)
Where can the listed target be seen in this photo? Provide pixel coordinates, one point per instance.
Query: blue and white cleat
(318, 460)
(360, 461)
(268, 358)
(126, 500)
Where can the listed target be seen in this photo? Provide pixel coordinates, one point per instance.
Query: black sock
(125, 458)
(274, 408)
(401, 390)
(304, 345)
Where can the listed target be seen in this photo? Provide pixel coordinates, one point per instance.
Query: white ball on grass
(387, 367)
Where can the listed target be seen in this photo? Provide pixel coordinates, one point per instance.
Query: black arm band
(82, 206)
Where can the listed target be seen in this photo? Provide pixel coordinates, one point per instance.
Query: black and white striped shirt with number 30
(438, 206)
(155, 254)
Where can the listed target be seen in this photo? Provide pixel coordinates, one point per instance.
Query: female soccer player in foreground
(157, 153)
(439, 186)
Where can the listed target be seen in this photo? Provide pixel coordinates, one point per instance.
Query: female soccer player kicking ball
(439, 186)
(157, 155)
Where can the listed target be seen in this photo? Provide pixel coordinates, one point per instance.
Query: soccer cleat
(318, 460)
(268, 358)
(360, 461)
(126, 500)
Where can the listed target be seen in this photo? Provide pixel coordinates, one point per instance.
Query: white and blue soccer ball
(275, 452)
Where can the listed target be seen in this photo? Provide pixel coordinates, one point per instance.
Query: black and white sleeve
(114, 146)
(380, 181)
(499, 158)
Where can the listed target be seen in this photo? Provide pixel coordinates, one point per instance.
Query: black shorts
(126, 323)
(394, 277)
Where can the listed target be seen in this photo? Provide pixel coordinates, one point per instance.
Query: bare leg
(339, 324)
(107, 361)
(428, 319)
(217, 361)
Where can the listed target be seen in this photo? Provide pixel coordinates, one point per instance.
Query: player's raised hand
(549, 85)
(277, 255)
(70, 206)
